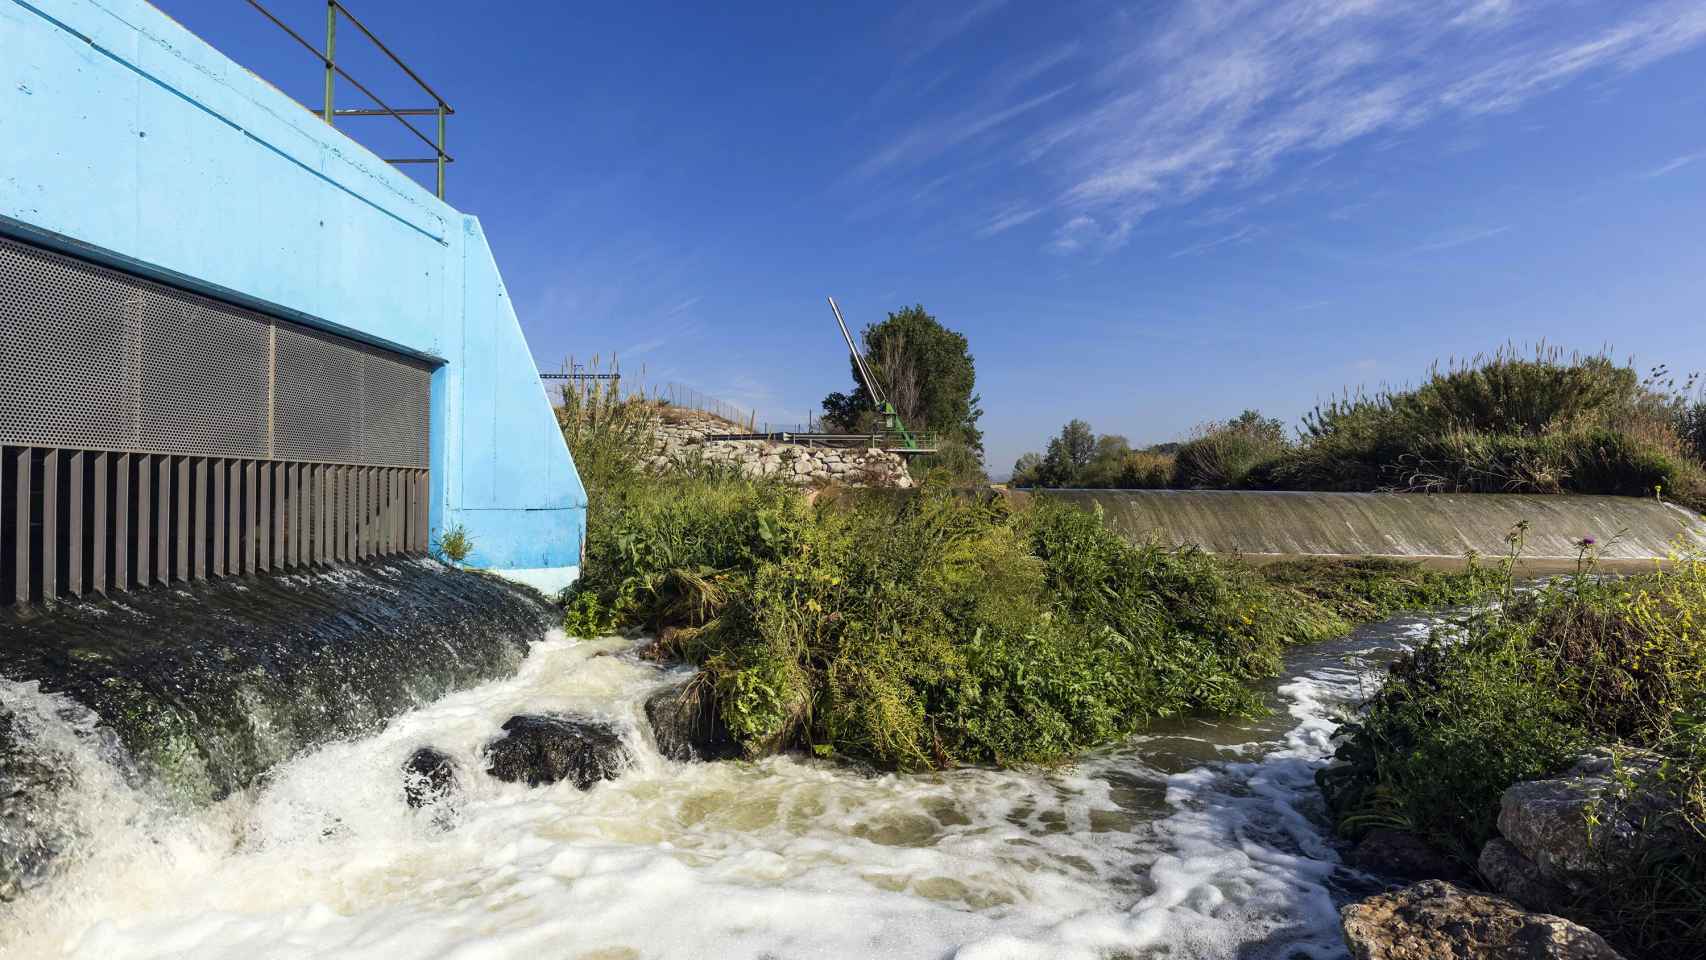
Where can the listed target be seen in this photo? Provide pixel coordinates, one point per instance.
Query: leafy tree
(927, 372)
(1027, 471)
(1068, 454)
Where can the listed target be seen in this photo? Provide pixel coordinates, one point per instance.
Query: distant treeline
(1506, 423)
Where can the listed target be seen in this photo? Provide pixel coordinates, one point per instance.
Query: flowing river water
(1201, 839)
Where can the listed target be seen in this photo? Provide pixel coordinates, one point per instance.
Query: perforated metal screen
(97, 359)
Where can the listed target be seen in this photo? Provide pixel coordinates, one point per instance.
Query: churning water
(1203, 839)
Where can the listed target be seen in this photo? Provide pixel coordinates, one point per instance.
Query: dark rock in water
(1435, 920)
(686, 725)
(538, 749)
(1402, 855)
(428, 776)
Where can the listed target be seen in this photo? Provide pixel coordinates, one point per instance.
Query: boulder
(1401, 855)
(686, 725)
(1515, 876)
(1599, 817)
(429, 776)
(1436, 920)
(544, 748)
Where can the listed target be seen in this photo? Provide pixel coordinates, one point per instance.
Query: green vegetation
(939, 627)
(1077, 457)
(454, 544)
(927, 372)
(1546, 423)
(1519, 693)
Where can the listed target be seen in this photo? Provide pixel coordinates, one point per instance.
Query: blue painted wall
(125, 138)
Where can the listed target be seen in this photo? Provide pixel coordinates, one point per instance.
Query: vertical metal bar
(234, 520)
(144, 519)
(252, 542)
(22, 468)
(441, 150)
(74, 542)
(219, 473)
(391, 498)
(121, 525)
(399, 511)
(355, 514)
(340, 520)
(200, 539)
(408, 521)
(183, 570)
(423, 536)
(298, 503)
(263, 560)
(50, 526)
(315, 538)
(163, 524)
(351, 488)
(381, 483)
(322, 549)
(381, 526)
(331, 54)
(369, 489)
(100, 546)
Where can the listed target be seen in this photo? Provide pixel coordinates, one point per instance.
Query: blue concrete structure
(124, 138)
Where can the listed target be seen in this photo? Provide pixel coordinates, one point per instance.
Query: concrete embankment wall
(126, 140)
(1439, 528)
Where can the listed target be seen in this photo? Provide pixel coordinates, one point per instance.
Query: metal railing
(329, 112)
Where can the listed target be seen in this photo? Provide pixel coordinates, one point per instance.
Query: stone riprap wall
(682, 435)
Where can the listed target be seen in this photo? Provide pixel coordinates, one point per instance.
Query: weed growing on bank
(1519, 694)
(938, 628)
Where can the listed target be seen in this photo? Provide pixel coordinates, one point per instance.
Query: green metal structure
(891, 417)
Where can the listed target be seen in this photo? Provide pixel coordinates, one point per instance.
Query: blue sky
(1146, 214)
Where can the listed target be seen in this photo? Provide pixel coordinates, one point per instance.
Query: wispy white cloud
(1460, 238)
(1675, 164)
(924, 27)
(1243, 234)
(1085, 233)
(1161, 107)
(933, 137)
(1009, 217)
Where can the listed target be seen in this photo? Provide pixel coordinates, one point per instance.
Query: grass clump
(1519, 694)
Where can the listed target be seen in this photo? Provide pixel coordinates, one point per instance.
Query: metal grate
(320, 387)
(98, 359)
(57, 316)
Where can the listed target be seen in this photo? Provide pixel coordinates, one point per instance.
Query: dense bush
(937, 628)
(1518, 694)
(1222, 455)
(1508, 423)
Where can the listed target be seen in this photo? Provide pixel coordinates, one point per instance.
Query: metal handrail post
(441, 150)
(331, 50)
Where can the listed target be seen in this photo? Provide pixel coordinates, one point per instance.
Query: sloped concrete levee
(1442, 529)
(127, 141)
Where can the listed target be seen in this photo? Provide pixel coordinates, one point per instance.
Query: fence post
(331, 53)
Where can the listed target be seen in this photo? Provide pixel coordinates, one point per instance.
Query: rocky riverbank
(1564, 843)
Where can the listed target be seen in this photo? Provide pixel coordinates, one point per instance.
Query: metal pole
(441, 151)
(331, 49)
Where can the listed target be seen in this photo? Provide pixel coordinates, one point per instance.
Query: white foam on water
(781, 858)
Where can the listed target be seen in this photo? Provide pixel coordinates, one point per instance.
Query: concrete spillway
(1442, 528)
